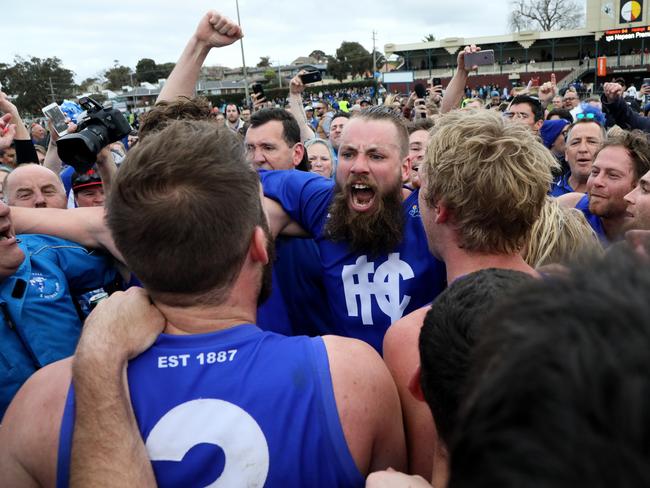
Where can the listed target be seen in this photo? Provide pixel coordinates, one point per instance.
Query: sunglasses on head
(581, 116)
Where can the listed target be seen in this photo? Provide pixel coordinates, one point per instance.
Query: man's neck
(460, 263)
(613, 227)
(233, 125)
(202, 319)
(578, 185)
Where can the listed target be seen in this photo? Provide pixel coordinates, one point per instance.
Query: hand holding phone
(310, 77)
(478, 58)
(57, 117)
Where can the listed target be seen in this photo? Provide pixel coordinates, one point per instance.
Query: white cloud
(88, 37)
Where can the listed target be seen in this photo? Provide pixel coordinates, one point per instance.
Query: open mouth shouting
(362, 196)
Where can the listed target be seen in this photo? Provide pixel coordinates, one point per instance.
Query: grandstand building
(615, 42)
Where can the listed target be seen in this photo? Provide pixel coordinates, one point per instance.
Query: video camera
(97, 129)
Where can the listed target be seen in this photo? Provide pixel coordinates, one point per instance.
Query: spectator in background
(572, 102)
(584, 139)
(553, 134)
(619, 164)
(495, 101)
(619, 112)
(88, 189)
(34, 186)
(526, 110)
(419, 137)
(8, 156)
(321, 157)
(233, 121)
(39, 135)
(560, 113)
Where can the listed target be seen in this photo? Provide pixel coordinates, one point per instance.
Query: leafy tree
(117, 77)
(429, 38)
(33, 81)
(270, 75)
(545, 15)
(146, 70)
(165, 69)
(264, 62)
(336, 68)
(318, 55)
(86, 84)
(355, 57)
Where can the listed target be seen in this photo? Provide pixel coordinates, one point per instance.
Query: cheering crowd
(432, 290)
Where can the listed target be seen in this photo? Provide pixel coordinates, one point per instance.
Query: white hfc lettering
(361, 280)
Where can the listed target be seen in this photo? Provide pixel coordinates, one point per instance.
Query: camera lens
(80, 150)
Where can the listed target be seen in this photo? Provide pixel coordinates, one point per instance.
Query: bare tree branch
(545, 15)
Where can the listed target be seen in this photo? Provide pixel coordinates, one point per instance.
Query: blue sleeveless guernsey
(365, 293)
(238, 407)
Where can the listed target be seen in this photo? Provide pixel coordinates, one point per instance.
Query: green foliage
(148, 70)
(32, 81)
(264, 62)
(354, 57)
(85, 85)
(351, 59)
(429, 38)
(336, 68)
(270, 75)
(117, 77)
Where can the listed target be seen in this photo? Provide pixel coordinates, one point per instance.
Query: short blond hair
(561, 235)
(492, 174)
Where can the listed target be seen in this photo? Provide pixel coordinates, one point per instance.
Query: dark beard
(374, 234)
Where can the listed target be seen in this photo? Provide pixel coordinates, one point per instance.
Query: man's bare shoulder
(403, 332)
(570, 200)
(29, 434)
(367, 402)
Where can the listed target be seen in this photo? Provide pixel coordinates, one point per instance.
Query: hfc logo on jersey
(362, 281)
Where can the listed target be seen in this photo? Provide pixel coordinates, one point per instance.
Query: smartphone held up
(57, 117)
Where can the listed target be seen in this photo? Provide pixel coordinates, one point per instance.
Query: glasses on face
(570, 98)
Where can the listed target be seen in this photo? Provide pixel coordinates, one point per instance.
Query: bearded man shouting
(374, 254)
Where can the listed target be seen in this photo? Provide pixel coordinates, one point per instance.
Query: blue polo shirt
(39, 321)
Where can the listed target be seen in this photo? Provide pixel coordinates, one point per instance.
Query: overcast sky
(88, 38)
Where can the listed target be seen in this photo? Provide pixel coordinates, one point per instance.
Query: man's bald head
(31, 185)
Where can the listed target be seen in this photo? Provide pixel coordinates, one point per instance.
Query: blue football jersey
(366, 293)
(594, 220)
(237, 407)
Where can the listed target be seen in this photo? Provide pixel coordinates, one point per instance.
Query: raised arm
(214, 30)
(296, 88)
(456, 88)
(25, 152)
(617, 109)
(83, 225)
(280, 222)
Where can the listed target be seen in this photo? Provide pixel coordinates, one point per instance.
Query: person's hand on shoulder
(121, 327)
